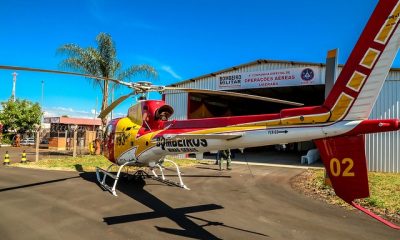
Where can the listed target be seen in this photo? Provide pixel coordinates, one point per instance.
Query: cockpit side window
(163, 113)
(108, 131)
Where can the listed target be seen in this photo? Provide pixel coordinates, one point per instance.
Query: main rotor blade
(108, 109)
(235, 94)
(62, 72)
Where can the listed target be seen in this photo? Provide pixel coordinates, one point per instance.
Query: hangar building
(294, 81)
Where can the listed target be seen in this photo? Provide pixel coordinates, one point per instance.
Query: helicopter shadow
(134, 188)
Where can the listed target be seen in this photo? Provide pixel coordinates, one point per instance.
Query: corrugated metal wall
(382, 149)
(179, 101)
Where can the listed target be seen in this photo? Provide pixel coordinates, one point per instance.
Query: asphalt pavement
(249, 202)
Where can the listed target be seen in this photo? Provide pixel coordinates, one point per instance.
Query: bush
(6, 139)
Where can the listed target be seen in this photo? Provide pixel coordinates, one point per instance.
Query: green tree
(101, 62)
(21, 115)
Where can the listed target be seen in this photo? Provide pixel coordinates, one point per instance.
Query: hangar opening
(211, 105)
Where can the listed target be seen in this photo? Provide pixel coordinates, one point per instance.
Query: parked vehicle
(28, 141)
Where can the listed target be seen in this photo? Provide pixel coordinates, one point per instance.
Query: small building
(62, 132)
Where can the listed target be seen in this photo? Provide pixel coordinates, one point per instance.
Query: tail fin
(362, 78)
(346, 165)
(345, 162)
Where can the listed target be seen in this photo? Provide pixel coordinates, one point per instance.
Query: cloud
(159, 66)
(119, 114)
(70, 112)
(78, 113)
(169, 70)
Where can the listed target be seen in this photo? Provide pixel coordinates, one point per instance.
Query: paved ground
(38, 204)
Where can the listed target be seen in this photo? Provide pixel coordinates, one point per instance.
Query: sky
(181, 39)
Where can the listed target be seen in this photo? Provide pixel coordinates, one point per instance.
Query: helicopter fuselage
(145, 139)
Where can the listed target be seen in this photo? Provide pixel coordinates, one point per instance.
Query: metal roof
(73, 121)
(259, 61)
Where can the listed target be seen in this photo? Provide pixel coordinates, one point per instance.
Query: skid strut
(163, 179)
(102, 174)
(102, 179)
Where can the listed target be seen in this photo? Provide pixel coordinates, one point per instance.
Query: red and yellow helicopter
(146, 135)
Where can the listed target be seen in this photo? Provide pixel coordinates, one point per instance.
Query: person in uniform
(225, 154)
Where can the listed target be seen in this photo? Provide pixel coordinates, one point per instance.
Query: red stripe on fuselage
(220, 121)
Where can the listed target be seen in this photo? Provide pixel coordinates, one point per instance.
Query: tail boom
(375, 126)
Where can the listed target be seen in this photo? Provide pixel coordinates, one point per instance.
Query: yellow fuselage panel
(125, 136)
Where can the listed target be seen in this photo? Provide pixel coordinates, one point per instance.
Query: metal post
(331, 70)
(37, 144)
(14, 86)
(330, 78)
(42, 92)
(41, 103)
(75, 137)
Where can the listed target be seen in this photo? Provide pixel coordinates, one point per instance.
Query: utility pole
(42, 93)
(42, 119)
(14, 85)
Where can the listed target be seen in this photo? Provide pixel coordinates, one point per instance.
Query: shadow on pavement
(36, 184)
(134, 188)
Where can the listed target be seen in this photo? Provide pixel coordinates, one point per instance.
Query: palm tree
(101, 62)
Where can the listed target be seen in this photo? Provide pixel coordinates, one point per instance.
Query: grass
(87, 163)
(384, 192)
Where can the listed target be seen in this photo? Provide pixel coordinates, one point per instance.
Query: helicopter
(147, 134)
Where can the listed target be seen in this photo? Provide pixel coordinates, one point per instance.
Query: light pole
(42, 93)
(14, 86)
(42, 119)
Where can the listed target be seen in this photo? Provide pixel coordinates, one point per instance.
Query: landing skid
(102, 174)
(166, 181)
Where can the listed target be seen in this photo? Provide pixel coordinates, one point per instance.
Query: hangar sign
(272, 78)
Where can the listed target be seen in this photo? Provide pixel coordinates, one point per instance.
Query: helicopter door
(109, 141)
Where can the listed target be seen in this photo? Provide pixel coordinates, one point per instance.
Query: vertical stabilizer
(359, 83)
